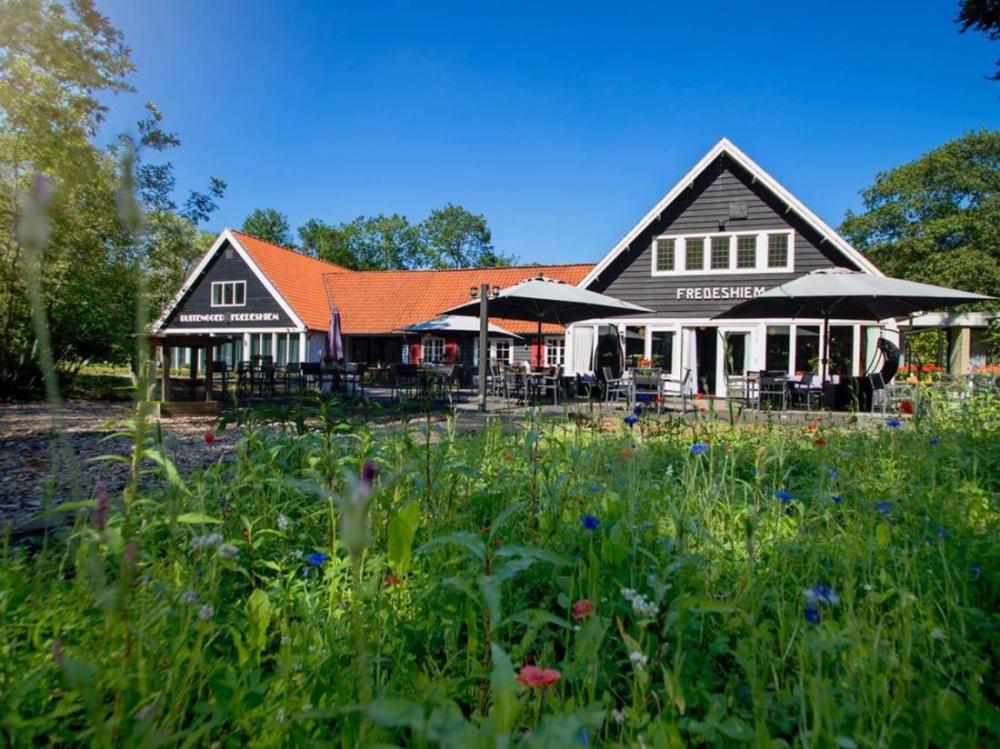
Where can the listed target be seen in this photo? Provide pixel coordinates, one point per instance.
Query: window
(665, 252)
(746, 251)
(777, 250)
(776, 348)
(663, 349)
(229, 293)
(500, 350)
(432, 350)
(260, 344)
(555, 351)
(694, 253)
(807, 348)
(720, 253)
(288, 349)
(729, 252)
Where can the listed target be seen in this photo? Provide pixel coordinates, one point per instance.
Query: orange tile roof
(298, 277)
(383, 301)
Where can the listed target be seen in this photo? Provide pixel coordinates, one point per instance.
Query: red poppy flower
(626, 453)
(703, 409)
(699, 395)
(906, 407)
(819, 442)
(209, 438)
(392, 579)
(538, 678)
(582, 609)
(813, 426)
(658, 399)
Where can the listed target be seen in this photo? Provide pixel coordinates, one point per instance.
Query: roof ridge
(292, 250)
(475, 268)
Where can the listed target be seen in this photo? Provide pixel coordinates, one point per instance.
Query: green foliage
(937, 218)
(150, 628)
(270, 225)
(58, 62)
(450, 237)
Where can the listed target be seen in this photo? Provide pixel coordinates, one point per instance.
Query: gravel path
(36, 473)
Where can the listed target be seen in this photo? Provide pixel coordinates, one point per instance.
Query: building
(725, 232)
(278, 303)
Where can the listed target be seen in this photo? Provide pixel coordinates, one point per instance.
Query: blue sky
(562, 123)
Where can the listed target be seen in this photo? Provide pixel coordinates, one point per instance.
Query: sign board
(719, 292)
(231, 317)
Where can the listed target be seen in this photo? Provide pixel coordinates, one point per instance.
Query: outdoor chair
(221, 368)
(552, 383)
(514, 384)
(806, 391)
(244, 379)
(737, 389)
(880, 394)
(616, 387)
(354, 378)
(494, 379)
(773, 390)
(675, 388)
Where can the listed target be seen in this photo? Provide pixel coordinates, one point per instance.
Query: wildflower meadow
(563, 582)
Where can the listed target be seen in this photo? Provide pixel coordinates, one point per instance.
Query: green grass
(462, 563)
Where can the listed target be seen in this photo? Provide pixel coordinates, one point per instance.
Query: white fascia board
(227, 236)
(727, 147)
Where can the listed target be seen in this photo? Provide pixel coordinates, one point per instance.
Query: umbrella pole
(538, 354)
(484, 341)
(826, 350)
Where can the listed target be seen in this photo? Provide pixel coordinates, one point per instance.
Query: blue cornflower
(837, 499)
(893, 423)
(317, 558)
(811, 614)
(590, 522)
(631, 420)
(884, 507)
(637, 410)
(834, 474)
(699, 448)
(942, 532)
(584, 737)
(784, 495)
(821, 594)
(975, 570)
(934, 441)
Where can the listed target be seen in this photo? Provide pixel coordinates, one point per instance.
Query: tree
(455, 238)
(937, 218)
(58, 61)
(450, 237)
(270, 225)
(983, 16)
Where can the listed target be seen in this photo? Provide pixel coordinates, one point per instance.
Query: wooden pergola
(166, 342)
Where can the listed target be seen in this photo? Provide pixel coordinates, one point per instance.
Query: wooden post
(165, 394)
(484, 341)
(194, 371)
(209, 374)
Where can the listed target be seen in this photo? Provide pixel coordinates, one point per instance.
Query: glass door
(735, 356)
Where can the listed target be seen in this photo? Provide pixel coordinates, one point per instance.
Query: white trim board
(227, 236)
(725, 146)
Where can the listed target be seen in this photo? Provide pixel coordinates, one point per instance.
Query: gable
(194, 310)
(726, 193)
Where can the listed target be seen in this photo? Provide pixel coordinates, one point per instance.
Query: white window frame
(760, 266)
(425, 345)
(222, 294)
(557, 343)
(493, 342)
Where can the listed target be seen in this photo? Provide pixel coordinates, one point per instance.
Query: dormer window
(724, 253)
(229, 293)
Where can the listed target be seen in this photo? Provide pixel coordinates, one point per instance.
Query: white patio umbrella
(545, 300)
(454, 324)
(850, 295)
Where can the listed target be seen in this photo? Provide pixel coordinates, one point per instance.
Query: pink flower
(582, 609)
(538, 678)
